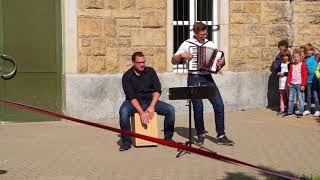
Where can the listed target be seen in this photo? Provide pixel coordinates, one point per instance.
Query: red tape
(212, 155)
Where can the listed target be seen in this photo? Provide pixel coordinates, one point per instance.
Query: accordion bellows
(204, 59)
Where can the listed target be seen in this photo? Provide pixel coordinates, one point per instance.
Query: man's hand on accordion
(221, 63)
(186, 56)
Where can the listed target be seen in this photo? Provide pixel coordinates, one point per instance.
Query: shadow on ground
(184, 132)
(273, 108)
(273, 98)
(240, 175)
(3, 172)
(236, 176)
(212, 139)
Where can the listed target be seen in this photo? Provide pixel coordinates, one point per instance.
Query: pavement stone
(66, 150)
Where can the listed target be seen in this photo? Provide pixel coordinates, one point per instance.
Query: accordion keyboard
(193, 63)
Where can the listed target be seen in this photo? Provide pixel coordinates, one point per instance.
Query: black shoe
(300, 116)
(125, 146)
(225, 141)
(201, 138)
(287, 115)
(281, 113)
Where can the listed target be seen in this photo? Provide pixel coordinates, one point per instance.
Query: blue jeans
(162, 108)
(216, 102)
(312, 91)
(295, 89)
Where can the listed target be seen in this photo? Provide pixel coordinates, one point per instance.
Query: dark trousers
(216, 101)
(162, 108)
(312, 91)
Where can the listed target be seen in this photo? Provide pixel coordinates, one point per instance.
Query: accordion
(204, 59)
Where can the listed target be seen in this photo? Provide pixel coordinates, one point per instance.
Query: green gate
(30, 31)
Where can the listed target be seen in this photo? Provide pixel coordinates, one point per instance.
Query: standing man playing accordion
(203, 78)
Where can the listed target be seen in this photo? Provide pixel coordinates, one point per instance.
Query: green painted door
(30, 31)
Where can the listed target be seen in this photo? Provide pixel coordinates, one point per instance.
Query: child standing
(286, 59)
(297, 80)
(312, 81)
(283, 45)
(273, 84)
(318, 77)
(303, 56)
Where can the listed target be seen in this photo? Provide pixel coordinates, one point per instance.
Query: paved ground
(69, 151)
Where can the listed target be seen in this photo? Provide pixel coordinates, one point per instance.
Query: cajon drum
(150, 129)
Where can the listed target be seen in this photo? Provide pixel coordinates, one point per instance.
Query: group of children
(299, 75)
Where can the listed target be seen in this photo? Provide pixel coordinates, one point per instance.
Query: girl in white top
(285, 61)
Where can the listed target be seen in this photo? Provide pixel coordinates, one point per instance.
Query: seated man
(142, 88)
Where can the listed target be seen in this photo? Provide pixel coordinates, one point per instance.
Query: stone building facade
(257, 26)
(102, 34)
(110, 31)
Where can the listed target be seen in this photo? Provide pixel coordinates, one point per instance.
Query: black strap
(197, 44)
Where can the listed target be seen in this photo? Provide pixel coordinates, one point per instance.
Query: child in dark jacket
(283, 45)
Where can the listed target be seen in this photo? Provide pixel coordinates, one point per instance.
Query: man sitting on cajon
(142, 88)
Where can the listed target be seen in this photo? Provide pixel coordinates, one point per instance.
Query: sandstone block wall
(257, 26)
(109, 31)
(306, 22)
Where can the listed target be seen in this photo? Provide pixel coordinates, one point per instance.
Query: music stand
(189, 93)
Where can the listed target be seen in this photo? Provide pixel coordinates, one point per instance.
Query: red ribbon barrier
(212, 155)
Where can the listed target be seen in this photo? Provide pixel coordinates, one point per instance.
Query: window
(185, 14)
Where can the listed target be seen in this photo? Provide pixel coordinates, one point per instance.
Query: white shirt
(283, 80)
(185, 47)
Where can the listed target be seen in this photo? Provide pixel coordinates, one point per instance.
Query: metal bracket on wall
(215, 27)
(13, 72)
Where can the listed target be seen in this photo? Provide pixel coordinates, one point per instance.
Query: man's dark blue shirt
(140, 87)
